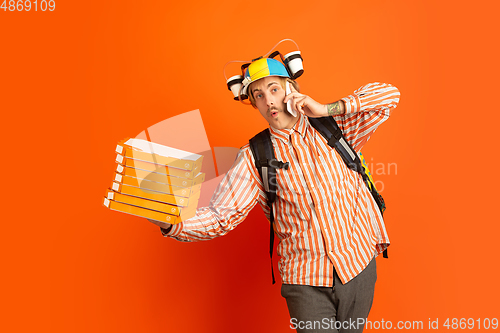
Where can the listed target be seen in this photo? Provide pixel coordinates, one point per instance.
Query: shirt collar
(284, 134)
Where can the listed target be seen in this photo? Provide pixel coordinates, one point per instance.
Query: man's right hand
(164, 225)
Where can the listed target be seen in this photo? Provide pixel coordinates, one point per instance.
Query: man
(329, 226)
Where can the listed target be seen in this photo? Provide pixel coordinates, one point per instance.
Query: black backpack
(266, 163)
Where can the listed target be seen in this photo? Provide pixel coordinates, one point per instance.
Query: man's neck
(296, 120)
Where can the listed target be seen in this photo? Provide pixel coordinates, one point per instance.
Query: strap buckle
(273, 163)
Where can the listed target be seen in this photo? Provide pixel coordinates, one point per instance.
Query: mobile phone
(288, 90)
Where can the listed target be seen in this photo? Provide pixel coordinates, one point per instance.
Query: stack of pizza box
(155, 181)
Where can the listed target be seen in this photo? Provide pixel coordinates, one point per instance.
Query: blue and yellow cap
(262, 68)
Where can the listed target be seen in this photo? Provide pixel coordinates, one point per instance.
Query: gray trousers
(326, 309)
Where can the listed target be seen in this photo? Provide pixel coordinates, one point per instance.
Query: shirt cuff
(173, 232)
(352, 104)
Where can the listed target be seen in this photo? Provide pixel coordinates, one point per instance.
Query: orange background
(75, 81)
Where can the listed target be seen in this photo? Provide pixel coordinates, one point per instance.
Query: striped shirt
(325, 217)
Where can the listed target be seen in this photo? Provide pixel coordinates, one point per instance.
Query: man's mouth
(274, 113)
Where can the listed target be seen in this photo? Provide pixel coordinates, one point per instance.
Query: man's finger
(291, 95)
(300, 105)
(298, 101)
(300, 108)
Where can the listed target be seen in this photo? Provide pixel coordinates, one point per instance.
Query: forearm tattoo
(334, 109)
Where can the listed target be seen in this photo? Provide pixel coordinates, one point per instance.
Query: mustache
(272, 108)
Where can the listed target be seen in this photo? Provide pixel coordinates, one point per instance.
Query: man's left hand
(308, 106)
(305, 104)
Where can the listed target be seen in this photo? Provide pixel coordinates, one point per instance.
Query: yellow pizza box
(149, 204)
(160, 178)
(159, 187)
(147, 213)
(139, 149)
(154, 168)
(156, 196)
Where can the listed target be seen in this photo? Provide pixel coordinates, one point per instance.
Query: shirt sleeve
(366, 109)
(233, 199)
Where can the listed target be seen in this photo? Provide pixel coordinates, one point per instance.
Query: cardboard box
(148, 213)
(147, 168)
(151, 152)
(159, 187)
(159, 177)
(155, 196)
(150, 204)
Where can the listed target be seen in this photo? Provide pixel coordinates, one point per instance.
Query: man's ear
(294, 85)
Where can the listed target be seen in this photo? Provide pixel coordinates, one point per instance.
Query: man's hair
(282, 81)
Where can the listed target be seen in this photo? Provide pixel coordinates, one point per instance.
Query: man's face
(269, 95)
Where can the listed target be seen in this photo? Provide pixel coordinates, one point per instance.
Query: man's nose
(269, 101)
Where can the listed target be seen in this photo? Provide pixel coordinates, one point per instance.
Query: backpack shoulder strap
(329, 129)
(263, 151)
(266, 164)
(327, 126)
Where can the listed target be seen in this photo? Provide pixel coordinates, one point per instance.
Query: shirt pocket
(291, 185)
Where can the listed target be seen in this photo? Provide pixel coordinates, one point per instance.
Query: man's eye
(275, 89)
(259, 96)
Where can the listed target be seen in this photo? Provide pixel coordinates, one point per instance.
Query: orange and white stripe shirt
(325, 217)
